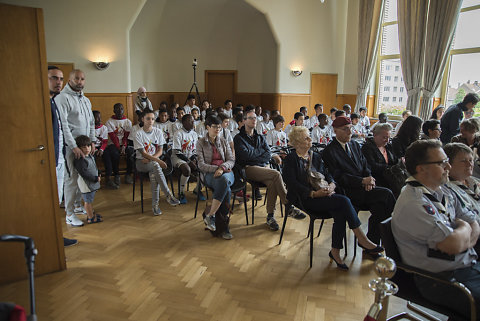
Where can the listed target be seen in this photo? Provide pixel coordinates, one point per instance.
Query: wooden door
(220, 85)
(28, 191)
(323, 91)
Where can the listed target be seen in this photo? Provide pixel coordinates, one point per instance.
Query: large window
(463, 71)
(389, 68)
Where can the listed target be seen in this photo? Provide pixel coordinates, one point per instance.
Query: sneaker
(210, 222)
(117, 180)
(295, 213)
(80, 210)
(111, 184)
(201, 197)
(156, 210)
(172, 200)
(128, 179)
(227, 235)
(73, 220)
(182, 199)
(272, 223)
(69, 242)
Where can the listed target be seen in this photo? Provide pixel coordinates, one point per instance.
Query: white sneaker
(172, 200)
(73, 220)
(80, 210)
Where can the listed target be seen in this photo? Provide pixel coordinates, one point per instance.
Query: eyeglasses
(443, 163)
(216, 126)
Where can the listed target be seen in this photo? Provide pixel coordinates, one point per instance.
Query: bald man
(142, 102)
(77, 119)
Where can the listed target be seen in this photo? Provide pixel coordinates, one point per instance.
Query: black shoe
(272, 223)
(258, 194)
(341, 266)
(376, 250)
(371, 256)
(69, 242)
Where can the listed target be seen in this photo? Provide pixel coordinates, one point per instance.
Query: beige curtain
(442, 21)
(369, 25)
(412, 20)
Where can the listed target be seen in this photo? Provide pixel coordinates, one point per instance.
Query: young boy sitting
(101, 133)
(332, 116)
(119, 128)
(276, 136)
(239, 123)
(322, 133)
(88, 177)
(174, 127)
(225, 132)
(297, 121)
(359, 133)
(264, 126)
(148, 145)
(184, 154)
(164, 125)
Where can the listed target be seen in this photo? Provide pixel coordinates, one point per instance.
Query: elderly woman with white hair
(318, 195)
(142, 102)
(379, 153)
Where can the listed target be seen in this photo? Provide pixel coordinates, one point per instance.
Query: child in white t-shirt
(297, 121)
(225, 132)
(163, 124)
(101, 134)
(148, 145)
(322, 134)
(175, 126)
(314, 119)
(119, 128)
(227, 109)
(238, 120)
(364, 120)
(265, 125)
(184, 154)
(359, 133)
(276, 137)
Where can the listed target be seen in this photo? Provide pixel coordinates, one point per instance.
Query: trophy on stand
(385, 268)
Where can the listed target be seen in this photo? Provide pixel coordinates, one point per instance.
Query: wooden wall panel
(248, 98)
(343, 99)
(104, 102)
(291, 103)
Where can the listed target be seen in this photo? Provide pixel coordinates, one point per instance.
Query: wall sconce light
(296, 72)
(101, 65)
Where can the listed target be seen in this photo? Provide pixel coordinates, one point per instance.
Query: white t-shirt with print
(166, 128)
(101, 133)
(119, 127)
(276, 138)
(148, 141)
(263, 127)
(225, 134)
(185, 142)
(322, 135)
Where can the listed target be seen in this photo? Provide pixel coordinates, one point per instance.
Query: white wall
(221, 34)
(87, 30)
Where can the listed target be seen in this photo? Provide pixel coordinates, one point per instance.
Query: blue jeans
(220, 185)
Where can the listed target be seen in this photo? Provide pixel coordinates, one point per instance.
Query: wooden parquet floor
(135, 266)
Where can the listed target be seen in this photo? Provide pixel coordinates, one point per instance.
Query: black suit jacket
(347, 172)
(376, 161)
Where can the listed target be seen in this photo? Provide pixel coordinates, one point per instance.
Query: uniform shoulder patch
(429, 209)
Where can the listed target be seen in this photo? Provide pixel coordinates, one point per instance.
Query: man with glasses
(253, 152)
(433, 230)
(349, 168)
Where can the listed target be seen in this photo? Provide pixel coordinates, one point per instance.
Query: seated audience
(177, 124)
(203, 109)
(162, 123)
(297, 121)
(314, 121)
(276, 136)
(438, 112)
(190, 104)
(148, 145)
(253, 153)
(119, 128)
(437, 236)
(364, 120)
(196, 115)
(409, 132)
(321, 197)
(379, 154)
(347, 109)
(216, 160)
(461, 182)
(239, 124)
(468, 133)
(258, 112)
(332, 116)
(184, 155)
(88, 177)
(405, 115)
(359, 132)
(225, 132)
(431, 129)
(142, 102)
(306, 119)
(101, 134)
(340, 113)
(227, 109)
(382, 119)
(163, 105)
(349, 168)
(264, 126)
(273, 114)
(322, 132)
(233, 125)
